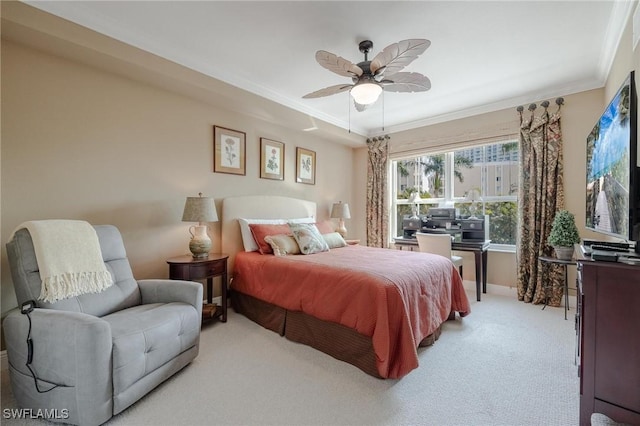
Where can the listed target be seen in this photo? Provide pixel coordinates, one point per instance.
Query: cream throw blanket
(69, 258)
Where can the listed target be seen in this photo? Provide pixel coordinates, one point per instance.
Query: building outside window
(445, 179)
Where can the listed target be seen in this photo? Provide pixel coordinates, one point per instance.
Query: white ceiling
(484, 55)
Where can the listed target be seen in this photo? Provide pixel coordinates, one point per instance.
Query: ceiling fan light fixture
(366, 93)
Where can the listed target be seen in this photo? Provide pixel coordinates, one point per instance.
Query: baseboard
(503, 290)
(4, 361)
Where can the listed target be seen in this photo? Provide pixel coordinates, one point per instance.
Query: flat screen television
(613, 178)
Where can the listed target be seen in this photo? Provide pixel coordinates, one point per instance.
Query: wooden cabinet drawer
(207, 270)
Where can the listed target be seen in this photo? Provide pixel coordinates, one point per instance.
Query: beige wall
(82, 143)
(85, 142)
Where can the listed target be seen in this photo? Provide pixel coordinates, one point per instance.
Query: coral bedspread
(396, 297)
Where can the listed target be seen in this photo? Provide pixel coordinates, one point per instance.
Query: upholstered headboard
(257, 207)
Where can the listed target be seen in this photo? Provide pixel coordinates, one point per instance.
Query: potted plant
(563, 235)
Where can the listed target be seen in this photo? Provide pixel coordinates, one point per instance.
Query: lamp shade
(366, 93)
(415, 197)
(340, 210)
(199, 209)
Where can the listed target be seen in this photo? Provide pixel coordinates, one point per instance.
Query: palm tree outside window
(445, 178)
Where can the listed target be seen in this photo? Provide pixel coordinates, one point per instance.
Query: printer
(440, 219)
(410, 225)
(475, 229)
(437, 220)
(446, 220)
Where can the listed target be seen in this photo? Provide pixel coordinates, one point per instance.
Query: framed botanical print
(271, 159)
(229, 151)
(305, 166)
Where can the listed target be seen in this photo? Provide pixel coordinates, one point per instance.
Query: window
(448, 179)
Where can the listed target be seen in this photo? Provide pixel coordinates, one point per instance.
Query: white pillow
(334, 240)
(247, 237)
(301, 220)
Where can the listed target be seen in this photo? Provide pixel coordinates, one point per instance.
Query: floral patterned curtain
(541, 194)
(377, 209)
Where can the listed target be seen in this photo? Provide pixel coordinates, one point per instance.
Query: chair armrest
(167, 291)
(70, 349)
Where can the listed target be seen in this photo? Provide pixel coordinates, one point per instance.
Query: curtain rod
(544, 104)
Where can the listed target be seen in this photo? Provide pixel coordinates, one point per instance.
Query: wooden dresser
(608, 327)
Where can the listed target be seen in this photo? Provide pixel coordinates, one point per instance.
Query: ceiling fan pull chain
(349, 112)
(383, 110)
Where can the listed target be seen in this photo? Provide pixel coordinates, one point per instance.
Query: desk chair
(438, 244)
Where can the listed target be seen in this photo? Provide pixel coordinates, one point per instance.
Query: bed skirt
(334, 339)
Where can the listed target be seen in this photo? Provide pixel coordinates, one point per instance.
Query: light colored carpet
(508, 363)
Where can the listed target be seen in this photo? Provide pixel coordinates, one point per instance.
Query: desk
(479, 249)
(563, 263)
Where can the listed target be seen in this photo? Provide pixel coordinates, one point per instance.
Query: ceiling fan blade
(331, 90)
(406, 82)
(338, 64)
(396, 56)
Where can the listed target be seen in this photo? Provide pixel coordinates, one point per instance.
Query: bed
(367, 306)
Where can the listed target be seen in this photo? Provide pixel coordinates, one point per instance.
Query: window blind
(422, 145)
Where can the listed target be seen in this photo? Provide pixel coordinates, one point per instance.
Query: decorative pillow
(325, 227)
(334, 240)
(282, 245)
(247, 237)
(259, 231)
(308, 238)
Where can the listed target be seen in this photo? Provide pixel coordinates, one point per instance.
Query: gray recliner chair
(102, 351)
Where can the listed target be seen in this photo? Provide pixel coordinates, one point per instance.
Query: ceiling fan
(370, 78)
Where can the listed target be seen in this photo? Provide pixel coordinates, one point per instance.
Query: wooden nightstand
(189, 269)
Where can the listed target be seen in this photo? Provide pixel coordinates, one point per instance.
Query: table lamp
(415, 199)
(199, 209)
(340, 211)
(473, 196)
